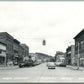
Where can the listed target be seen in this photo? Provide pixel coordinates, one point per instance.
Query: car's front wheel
(48, 68)
(20, 66)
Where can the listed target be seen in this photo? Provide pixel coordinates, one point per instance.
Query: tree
(58, 53)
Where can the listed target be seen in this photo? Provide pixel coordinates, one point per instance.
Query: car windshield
(51, 63)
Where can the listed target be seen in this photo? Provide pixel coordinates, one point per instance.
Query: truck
(61, 61)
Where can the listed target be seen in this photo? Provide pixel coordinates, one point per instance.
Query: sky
(58, 22)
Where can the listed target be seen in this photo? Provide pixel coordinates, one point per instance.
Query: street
(41, 73)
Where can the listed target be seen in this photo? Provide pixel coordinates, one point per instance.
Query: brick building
(26, 50)
(70, 55)
(8, 41)
(79, 47)
(14, 51)
(16, 47)
(2, 53)
(21, 53)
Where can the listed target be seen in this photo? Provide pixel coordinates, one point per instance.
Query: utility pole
(78, 60)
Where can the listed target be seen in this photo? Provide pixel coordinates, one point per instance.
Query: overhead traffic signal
(44, 42)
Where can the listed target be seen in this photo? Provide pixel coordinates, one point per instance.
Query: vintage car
(51, 65)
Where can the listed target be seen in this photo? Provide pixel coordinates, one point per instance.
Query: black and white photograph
(41, 41)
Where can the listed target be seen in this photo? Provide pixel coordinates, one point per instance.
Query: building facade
(11, 49)
(8, 41)
(26, 50)
(70, 55)
(16, 44)
(2, 54)
(21, 53)
(79, 47)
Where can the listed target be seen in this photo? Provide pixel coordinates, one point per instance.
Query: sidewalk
(8, 67)
(75, 67)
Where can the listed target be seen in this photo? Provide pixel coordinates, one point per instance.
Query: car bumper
(51, 67)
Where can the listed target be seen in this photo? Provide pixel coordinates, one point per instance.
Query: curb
(72, 67)
(75, 67)
(9, 68)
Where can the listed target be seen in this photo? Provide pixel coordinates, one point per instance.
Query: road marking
(80, 78)
(22, 78)
(15, 78)
(7, 78)
(48, 77)
(67, 78)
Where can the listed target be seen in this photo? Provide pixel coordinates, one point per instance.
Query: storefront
(15, 58)
(2, 60)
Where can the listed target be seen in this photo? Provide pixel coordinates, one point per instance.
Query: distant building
(34, 56)
(2, 54)
(21, 53)
(70, 55)
(26, 50)
(79, 46)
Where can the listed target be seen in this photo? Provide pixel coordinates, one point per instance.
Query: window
(81, 44)
(9, 46)
(76, 46)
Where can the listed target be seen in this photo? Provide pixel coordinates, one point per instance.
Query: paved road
(41, 73)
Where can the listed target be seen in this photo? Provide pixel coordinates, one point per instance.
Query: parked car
(26, 63)
(51, 65)
(21, 65)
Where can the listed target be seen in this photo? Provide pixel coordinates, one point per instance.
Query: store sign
(3, 47)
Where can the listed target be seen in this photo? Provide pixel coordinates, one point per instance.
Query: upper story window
(82, 44)
(2, 46)
(9, 47)
(76, 44)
